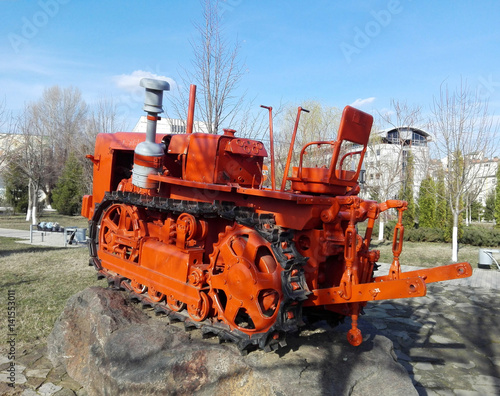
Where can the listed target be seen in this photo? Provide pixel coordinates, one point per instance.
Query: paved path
(7, 232)
(56, 239)
(449, 340)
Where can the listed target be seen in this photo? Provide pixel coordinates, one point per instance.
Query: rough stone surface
(111, 347)
(48, 389)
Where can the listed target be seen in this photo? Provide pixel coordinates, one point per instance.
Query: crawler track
(294, 287)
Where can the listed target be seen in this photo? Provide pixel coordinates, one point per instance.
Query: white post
(28, 212)
(454, 247)
(380, 229)
(33, 212)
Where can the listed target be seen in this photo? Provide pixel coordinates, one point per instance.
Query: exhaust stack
(192, 100)
(148, 155)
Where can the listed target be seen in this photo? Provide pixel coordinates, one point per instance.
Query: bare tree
(59, 116)
(48, 129)
(388, 155)
(216, 70)
(102, 117)
(465, 135)
(320, 124)
(7, 126)
(30, 157)
(254, 121)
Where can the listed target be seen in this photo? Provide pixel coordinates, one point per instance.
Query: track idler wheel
(155, 295)
(137, 287)
(245, 280)
(175, 305)
(199, 311)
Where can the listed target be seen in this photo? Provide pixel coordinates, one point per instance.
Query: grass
(43, 278)
(18, 221)
(426, 254)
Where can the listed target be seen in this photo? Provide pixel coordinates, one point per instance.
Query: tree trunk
(28, 212)
(34, 214)
(30, 205)
(31, 213)
(380, 229)
(454, 246)
(34, 210)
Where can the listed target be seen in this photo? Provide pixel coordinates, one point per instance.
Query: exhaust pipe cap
(154, 94)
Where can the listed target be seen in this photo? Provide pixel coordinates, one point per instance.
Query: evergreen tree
(490, 209)
(497, 198)
(476, 209)
(442, 213)
(16, 188)
(406, 193)
(427, 203)
(67, 195)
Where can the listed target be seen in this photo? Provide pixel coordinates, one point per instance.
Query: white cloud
(362, 102)
(130, 82)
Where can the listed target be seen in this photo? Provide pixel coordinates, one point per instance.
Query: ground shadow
(28, 249)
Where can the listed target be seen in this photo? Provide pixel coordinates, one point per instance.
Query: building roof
(420, 131)
(406, 135)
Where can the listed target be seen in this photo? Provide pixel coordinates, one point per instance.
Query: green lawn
(426, 254)
(19, 222)
(43, 278)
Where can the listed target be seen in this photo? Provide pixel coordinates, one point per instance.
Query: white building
(484, 171)
(387, 159)
(8, 143)
(170, 125)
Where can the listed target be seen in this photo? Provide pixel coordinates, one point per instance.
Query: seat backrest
(355, 127)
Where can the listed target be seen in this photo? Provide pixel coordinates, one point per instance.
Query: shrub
(16, 188)
(472, 235)
(67, 196)
(424, 234)
(481, 236)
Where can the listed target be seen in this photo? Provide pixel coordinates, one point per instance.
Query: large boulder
(112, 347)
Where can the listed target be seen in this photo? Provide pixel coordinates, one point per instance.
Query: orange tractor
(186, 224)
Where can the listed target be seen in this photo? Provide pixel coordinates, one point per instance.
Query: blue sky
(360, 52)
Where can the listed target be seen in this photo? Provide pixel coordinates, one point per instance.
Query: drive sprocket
(245, 280)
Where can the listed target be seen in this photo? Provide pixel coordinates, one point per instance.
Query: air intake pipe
(148, 155)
